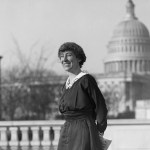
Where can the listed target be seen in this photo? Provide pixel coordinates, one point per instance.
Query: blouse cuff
(102, 126)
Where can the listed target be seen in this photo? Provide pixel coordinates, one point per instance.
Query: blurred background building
(126, 80)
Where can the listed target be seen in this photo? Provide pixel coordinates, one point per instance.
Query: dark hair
(76, 49)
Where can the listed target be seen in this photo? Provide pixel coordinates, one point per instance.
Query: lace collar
(69, 85)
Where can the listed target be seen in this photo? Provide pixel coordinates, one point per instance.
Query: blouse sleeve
(100, 105)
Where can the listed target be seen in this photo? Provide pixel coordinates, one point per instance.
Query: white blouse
(69, 84)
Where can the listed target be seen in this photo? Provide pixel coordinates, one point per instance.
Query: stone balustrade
(29, 133)
(125, 134)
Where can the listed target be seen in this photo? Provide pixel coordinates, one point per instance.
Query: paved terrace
(125, 134)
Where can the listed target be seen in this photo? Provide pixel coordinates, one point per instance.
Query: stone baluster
(14, 136)
(57, 134)
(46, 136)
(35, 136)
(3, 136)
(25, 136)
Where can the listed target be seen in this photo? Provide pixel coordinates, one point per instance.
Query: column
(123, 66)
(25, 136)
(146, 66)
(113, 66)
(110, 69)
(138, 66)
(133, 66)
(142, 66)
(0, 89)
(46, 136)
(106, 67)
(14, 136)
(3, 136)
(117, 67)
(125, 69)
(149, 66)
(128, 66)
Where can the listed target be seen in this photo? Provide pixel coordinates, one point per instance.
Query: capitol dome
(129, 47)
(131, 28)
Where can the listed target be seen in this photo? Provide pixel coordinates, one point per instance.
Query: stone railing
(125, 134)
(29, 133)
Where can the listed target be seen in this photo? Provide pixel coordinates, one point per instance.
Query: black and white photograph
(74, 74)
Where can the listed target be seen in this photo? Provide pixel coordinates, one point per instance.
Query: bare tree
(22, 92)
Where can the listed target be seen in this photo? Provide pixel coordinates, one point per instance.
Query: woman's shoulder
(88, 78)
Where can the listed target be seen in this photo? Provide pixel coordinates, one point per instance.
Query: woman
(81, 103)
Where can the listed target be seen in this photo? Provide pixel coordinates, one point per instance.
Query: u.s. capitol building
(126, 77)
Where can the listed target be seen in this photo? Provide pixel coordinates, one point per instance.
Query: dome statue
(129, 47)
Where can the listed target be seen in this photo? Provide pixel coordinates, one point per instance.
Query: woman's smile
(66, 64)
(69, 61)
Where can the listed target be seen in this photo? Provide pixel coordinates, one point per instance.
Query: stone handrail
(29, 133)
(125, 134)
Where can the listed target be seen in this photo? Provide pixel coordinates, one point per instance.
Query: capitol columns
(0, 89)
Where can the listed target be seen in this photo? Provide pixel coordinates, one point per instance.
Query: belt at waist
(77, 115)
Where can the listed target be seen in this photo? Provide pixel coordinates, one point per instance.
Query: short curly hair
(76, 49)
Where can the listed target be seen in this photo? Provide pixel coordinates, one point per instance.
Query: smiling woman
(81, 103)
(69, 60)
(72, 58)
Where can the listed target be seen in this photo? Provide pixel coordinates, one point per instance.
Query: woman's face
(69, 61)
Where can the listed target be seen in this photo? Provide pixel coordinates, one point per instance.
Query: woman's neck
(72, 75)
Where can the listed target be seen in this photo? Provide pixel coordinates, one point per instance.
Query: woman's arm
(100, 105)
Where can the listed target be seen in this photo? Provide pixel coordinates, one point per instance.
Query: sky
(31, 31)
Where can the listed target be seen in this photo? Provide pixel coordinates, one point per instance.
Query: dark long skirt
(79, 134)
